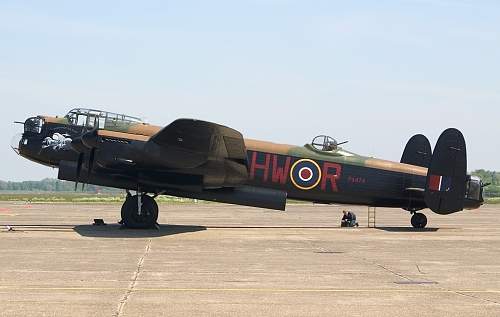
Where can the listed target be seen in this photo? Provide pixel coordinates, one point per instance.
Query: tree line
(51, 185)
(492, 178)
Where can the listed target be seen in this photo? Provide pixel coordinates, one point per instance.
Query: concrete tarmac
(224, 260)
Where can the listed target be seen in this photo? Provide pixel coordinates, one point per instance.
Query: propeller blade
(78, 169)
(91, 162)
(91, 139)
(77, 145)
(81, 145)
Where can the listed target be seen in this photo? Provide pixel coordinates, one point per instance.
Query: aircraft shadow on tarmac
(115, 231)
(406, 229)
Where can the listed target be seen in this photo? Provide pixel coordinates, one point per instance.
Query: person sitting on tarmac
(349, 219)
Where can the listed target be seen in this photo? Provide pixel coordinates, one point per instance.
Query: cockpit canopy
(325, 143)
(100, 119)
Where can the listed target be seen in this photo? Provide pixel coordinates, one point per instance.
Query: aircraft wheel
(418, 220)
(146, 219)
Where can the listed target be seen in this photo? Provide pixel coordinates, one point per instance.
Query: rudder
(418, 151)
(446, 176)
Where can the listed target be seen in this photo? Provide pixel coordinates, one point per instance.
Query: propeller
(91, 161)
(79, 164)
(87, 143)
(91, 139)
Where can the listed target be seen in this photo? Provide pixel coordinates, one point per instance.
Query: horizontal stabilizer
(446, 176)
(417, 152)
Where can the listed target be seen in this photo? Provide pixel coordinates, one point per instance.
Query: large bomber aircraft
(207, 161)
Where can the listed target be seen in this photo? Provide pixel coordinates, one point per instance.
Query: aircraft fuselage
(272, 171)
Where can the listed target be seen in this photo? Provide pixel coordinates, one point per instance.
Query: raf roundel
(305, 174)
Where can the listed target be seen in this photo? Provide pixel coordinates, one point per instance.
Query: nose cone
(16, 142)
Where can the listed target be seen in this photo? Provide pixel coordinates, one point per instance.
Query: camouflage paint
(142, 132)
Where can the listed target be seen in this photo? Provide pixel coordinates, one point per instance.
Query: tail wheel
(418, 220)
(131, 216)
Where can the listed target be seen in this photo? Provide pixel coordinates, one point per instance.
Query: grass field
(78, 197)
(72, 197)
(493, 200)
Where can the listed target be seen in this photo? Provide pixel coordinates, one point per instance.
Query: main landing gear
(139, 211)
(418, 220)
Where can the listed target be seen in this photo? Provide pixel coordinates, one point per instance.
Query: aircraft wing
(186, 153)
(190, 143)
(202, 148)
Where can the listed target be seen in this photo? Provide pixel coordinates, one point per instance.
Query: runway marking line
(133, 282)
(270, 290)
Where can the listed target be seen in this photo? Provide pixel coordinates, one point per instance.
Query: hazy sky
(371, 72)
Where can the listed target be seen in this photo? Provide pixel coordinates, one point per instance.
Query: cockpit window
(82, 120)
(72, 118)
(102, 119)
(102, 122)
